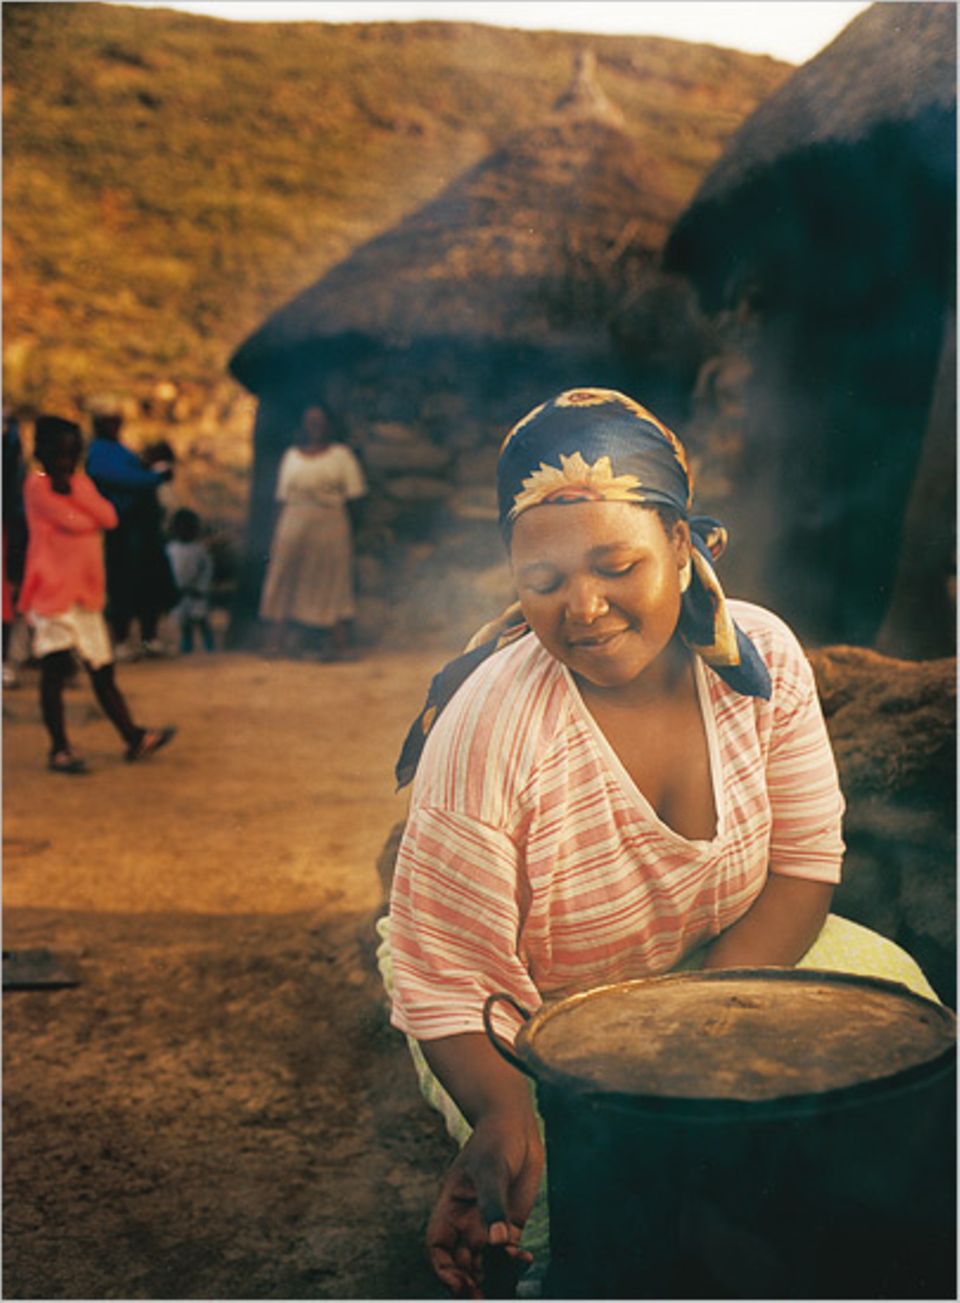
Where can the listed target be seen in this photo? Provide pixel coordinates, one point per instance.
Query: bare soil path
(220, 1109)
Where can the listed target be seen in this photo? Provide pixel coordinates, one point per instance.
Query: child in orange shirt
(64, 590)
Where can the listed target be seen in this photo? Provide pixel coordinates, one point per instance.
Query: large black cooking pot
(746, 1133)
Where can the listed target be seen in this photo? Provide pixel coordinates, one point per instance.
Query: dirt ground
(219, 1109)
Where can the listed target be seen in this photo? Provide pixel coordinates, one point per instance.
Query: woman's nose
(585, 601)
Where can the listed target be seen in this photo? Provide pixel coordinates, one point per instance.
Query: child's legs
(201, 625)
(113, 703)
(55, 669)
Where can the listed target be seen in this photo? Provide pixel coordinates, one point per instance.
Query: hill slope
(169, 179)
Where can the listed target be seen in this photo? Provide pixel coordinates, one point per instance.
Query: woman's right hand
(485, 1199)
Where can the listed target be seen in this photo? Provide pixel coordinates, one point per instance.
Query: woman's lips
(598, 642)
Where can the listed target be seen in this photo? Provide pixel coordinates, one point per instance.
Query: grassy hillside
(169, 179)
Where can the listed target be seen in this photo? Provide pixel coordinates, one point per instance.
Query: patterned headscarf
(598, 445)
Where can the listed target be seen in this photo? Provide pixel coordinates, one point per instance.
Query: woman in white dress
(309, 580)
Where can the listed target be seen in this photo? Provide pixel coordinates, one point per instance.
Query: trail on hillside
(219, 1109)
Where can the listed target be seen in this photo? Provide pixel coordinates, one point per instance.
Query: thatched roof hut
(829, 226)
(431, 338)
(891, 64)
(506, 254)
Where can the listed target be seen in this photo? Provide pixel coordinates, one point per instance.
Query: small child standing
(192, 568)
(64, 590)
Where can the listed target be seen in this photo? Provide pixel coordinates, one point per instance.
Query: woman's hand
(485, 1200)
(489, 1190)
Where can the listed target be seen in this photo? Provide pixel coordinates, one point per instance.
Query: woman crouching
(628, 775)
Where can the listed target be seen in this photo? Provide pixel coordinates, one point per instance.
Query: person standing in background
(309, 578)
(139, 583)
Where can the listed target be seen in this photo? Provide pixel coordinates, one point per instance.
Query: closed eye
(616, 572)
(543, 586)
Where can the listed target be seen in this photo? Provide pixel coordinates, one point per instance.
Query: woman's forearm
(778, 928)
(85, 494)
(70, 512)
(480, 1081)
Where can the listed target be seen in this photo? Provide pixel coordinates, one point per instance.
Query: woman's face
(64, 456)
(599, 584)
(316, 428)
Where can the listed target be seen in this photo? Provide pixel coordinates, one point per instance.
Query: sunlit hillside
(170, 179)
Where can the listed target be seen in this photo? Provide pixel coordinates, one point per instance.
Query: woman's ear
(684, 553)
(681, 542)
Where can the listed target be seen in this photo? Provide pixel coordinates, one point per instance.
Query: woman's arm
(455, 916)
(95, 504)
(286, 474)
(489, 1189)
(118, 465)
(81, 510)
(779, 927)
(806, 844)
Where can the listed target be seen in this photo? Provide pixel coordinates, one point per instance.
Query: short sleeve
(354, 484)
(803, 786)
(285, 475)
(454, 925)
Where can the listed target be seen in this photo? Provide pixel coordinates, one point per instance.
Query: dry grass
(169, 179)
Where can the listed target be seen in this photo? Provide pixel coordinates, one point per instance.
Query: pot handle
(500, 1046)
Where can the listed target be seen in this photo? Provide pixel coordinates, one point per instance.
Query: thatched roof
(845, 177)
(502, 254)
(892, 63)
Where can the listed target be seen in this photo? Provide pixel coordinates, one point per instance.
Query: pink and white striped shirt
(531, 863)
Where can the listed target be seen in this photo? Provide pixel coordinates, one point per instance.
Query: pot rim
(720, 1110)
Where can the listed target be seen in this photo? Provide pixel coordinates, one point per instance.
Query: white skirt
(84, 632)
(310, 575)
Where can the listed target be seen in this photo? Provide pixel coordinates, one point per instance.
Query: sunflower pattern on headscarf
(576, 481)
(598, 445)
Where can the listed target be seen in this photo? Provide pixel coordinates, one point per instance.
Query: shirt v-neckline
(706, 704)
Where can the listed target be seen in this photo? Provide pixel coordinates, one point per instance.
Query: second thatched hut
(826, 235)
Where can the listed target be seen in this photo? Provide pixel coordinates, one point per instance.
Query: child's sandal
(151, 740)
(65, 762)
